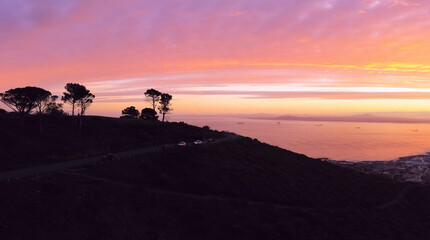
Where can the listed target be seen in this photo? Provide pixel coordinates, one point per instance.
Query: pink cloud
(210, 43)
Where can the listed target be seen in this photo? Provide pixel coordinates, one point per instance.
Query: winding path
(34, 171)
(58, 167)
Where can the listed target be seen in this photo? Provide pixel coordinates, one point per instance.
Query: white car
(182, 144)
(198, 142)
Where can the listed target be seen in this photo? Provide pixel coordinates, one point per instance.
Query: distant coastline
(362, 137)
(354, 118)
(414, 168)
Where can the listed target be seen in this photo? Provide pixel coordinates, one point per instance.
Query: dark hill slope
(25, 145)
(238, 189)
(252, 170)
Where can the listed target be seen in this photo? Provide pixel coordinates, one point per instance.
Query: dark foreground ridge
(24, 146)
(55, 167)
(237, 189)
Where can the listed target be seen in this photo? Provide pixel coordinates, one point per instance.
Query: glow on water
(335, 140)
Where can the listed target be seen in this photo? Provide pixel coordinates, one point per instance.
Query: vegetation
(53, 108)
(153, 96)
(27, 100)
(164, 107)
(237, 189)
(24, 100)
(156, 98)
(62, 142)
(78, 96)
(47, 104)
(130, 112)
(149, 114)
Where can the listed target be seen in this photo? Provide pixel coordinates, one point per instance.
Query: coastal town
(406, 169)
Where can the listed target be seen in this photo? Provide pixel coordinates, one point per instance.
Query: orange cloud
(305, 40)
(119, 48)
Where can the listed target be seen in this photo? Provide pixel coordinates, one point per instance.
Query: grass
(25, 145)
(238, 189)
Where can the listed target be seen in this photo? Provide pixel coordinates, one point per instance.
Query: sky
(224, 56)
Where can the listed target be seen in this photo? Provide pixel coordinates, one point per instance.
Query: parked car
(182, 144)
(198, 142)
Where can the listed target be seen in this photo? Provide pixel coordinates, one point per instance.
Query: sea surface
(350, 141)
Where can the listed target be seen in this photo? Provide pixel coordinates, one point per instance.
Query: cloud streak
(126, 46)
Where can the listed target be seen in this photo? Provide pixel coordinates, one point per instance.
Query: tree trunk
(73, 109)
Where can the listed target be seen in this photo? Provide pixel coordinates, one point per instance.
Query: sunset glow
(243, 56)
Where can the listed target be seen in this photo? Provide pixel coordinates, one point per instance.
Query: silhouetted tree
(153, 96)
(78, 96)
(55, 109)
(85, 102)
(149, 114)
(165, 104)
(2, 111)
(70, 96)
(46, 100)
(23, 100)
(130, 112)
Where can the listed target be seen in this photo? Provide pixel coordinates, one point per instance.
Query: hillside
(26, 145)
(236, 189)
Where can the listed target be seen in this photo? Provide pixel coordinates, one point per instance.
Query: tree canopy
(54, 109)
(45, 102)
(149, 114)
(86, 101)
(78, 96)
(24, 100)
(165, 104)
(153, 96)
(130, 112)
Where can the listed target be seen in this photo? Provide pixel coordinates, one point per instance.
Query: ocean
(349, 141)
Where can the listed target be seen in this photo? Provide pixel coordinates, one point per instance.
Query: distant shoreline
(351, 129)
(414, 168)
(360, 118)
(357, 119)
